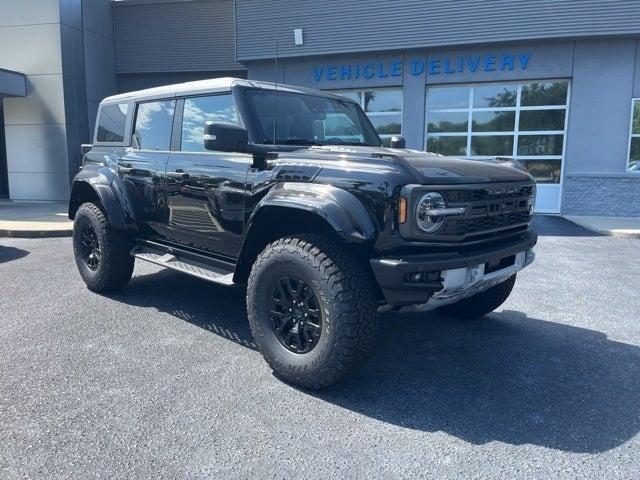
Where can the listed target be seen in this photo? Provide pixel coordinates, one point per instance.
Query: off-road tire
(115, 265)
(481, 303)
(346, 294)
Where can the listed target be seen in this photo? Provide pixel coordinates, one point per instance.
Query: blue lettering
(345, 72)
(381, 72)
(357, 75)
(434, 66)
(447, 67)
(317, 73)
(473, 63)
(331, 72)
(507, 62)
(368, 73)
(524, 60)
(460, 64)
(417, 67)
(396, 69)
(489, 63)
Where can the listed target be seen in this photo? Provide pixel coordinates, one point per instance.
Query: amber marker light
(402, 210)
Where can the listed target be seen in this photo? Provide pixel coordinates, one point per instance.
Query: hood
(429, 167)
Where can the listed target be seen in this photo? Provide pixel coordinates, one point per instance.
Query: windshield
(309, 120)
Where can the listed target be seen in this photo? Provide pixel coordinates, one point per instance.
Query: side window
(197, 111)
(111, 123)
(154, 121)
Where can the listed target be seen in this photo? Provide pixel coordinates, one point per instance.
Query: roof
(212, 85)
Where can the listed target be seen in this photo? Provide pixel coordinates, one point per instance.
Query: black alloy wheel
(295, 315)
(101, 251)
(90, 247)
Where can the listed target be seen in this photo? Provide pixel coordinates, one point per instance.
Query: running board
(184, 265)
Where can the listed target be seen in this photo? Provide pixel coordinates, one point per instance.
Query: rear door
(205, 189)
(142, 167)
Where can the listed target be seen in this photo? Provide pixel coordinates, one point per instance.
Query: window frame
(360, 92)
(515, 133)
(178, 119)
(137, 104)
(631, 136)
(126, 137)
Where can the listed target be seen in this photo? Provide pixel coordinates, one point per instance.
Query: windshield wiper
(295, 141)
(355, 144)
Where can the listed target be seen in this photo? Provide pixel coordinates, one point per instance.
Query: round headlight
(425, 219)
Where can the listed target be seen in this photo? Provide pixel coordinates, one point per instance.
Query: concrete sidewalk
(615, 226)
(31, 219)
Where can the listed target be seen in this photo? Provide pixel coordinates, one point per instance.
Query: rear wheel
(312, 310)
(481, 303)
(101, 251)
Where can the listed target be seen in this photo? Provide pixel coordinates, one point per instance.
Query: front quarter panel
(343, 211)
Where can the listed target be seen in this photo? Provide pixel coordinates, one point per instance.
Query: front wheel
(101, 251)
(481, 303)
(312, 310)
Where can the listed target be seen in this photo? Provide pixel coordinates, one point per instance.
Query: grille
(486, 194)
(489, 209)
(485, 223)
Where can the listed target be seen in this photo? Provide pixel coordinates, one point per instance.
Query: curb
(613, 233)
(604, 231)
(35, 233)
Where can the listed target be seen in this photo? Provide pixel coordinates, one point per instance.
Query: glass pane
(447, 121)
(448, 97)
(531, 120)
(387, 124)
(492, 145)
(352, 94)
(493, 121)
(447, 145)
(197, 111)
(111, 123)
(493, 96)
(544, 171)
(383, 100)
(540, 144)
(634, 154)
(635, 126)
(153, 125)
(544, 93)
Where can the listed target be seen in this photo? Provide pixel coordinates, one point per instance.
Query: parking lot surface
(162, 379)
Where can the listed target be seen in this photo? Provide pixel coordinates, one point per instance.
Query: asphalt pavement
(163, 379)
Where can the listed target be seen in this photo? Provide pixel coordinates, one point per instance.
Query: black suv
(289, 191)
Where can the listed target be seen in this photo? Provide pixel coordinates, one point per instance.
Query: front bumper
(448, 277)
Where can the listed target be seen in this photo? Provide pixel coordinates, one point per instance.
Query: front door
(143, 166)
(205, 190)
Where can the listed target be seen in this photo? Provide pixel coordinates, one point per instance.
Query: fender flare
(338, 207)
(107, 186)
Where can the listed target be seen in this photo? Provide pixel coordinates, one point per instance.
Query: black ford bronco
(290, 192)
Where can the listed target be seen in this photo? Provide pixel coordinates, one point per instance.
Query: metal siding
(175, 37)
(339, 26)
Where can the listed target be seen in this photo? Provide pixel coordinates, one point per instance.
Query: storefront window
(634, 141)
(383, 106)
(526, 121)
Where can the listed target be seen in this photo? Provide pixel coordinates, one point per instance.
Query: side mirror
(225, 137)
(397, 141)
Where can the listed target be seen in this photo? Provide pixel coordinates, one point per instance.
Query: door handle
(125, 169)
(178, 175)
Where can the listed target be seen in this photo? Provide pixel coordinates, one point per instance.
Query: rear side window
(154, 121)
(197, 111)
(111, 123)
